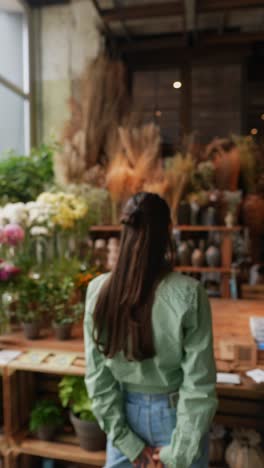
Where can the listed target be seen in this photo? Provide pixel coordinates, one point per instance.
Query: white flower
(14, 213)
(39, 231)
(39, 213)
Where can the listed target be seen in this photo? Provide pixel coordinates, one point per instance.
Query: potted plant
(73, 394)
(31, 304)
(45, 418)
(64, 304)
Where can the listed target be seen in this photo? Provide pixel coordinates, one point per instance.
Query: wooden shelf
(191, 269)
(59, 451)
(48, 367)
(116, 228)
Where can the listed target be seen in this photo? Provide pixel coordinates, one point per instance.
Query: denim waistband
(170, 399)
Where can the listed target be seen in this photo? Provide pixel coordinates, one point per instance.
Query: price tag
(34, 357)
(62, 360)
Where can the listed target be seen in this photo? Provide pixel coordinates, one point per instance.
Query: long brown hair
(122, 316)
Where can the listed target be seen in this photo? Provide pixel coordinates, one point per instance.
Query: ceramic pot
(184, 254)
(31, 330)
(46, 432)
(90, 436)
(213, 256)
(197, 258)
(62, 331)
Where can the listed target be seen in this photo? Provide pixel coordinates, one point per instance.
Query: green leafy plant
(45, 413)
(31, 294)
(23, 178)
(62, 298)
(73, 394)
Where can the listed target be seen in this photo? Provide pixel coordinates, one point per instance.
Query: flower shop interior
(101, 99)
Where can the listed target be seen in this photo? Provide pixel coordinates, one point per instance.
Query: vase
(213, 256)
(184, 254)
(197, 258)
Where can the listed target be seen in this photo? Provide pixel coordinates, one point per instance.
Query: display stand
(226, 234)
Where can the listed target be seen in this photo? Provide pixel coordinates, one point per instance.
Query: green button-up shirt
(184, 361)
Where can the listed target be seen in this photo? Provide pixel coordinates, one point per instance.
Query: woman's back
(179, 306)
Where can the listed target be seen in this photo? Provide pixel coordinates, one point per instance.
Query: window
(14, 78)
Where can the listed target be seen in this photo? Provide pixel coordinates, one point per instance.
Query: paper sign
(8, 355)
(226, 378)
(34, 357)
(62, 360)
(257, 375)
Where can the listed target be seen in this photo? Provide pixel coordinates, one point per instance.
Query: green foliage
(60, 291)
(31, 298)
(44, 413)
(73, 394)
(23, 178)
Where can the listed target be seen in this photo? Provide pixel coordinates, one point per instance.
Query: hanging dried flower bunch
(92, 131)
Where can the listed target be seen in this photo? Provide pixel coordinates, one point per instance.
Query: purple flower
(14, 234)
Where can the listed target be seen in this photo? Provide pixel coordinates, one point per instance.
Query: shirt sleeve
(197, 396)
(104, 390)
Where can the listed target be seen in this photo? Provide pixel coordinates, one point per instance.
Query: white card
(226, 378)
(257, 375)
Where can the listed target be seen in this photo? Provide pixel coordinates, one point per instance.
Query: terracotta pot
(90, 436)
(46, 432)
(31, 330)
(62, 331)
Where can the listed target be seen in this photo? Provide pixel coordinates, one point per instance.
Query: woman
(149, 353)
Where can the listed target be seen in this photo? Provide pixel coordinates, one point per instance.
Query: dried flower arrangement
(136, 163)
(92, 131)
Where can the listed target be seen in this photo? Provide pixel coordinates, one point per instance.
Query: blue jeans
(152, 419)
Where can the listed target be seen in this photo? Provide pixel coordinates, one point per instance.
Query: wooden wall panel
(216, 100)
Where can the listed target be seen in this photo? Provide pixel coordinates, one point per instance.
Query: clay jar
(213, 256)
(184, 254)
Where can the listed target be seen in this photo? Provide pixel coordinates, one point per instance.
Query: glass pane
(13, 40)
(12, 121)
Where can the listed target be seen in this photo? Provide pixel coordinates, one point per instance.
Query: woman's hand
(146, 459)
(156, 455)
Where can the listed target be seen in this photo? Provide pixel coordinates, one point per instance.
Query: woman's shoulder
(176, 286)
(95, 284)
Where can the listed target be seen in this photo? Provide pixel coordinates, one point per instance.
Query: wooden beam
(177, 41)
(166, 9)
(157, 10)
(205, 6)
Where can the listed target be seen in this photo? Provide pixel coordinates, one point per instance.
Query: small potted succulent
(45, 419)
(73, 394)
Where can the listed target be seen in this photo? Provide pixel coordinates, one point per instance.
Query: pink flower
(7, 271)
(14, 234)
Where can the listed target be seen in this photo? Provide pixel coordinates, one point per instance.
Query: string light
(254, 131)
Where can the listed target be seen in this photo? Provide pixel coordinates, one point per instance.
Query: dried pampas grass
(92, 131)
(177, 173)
(138, 162)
